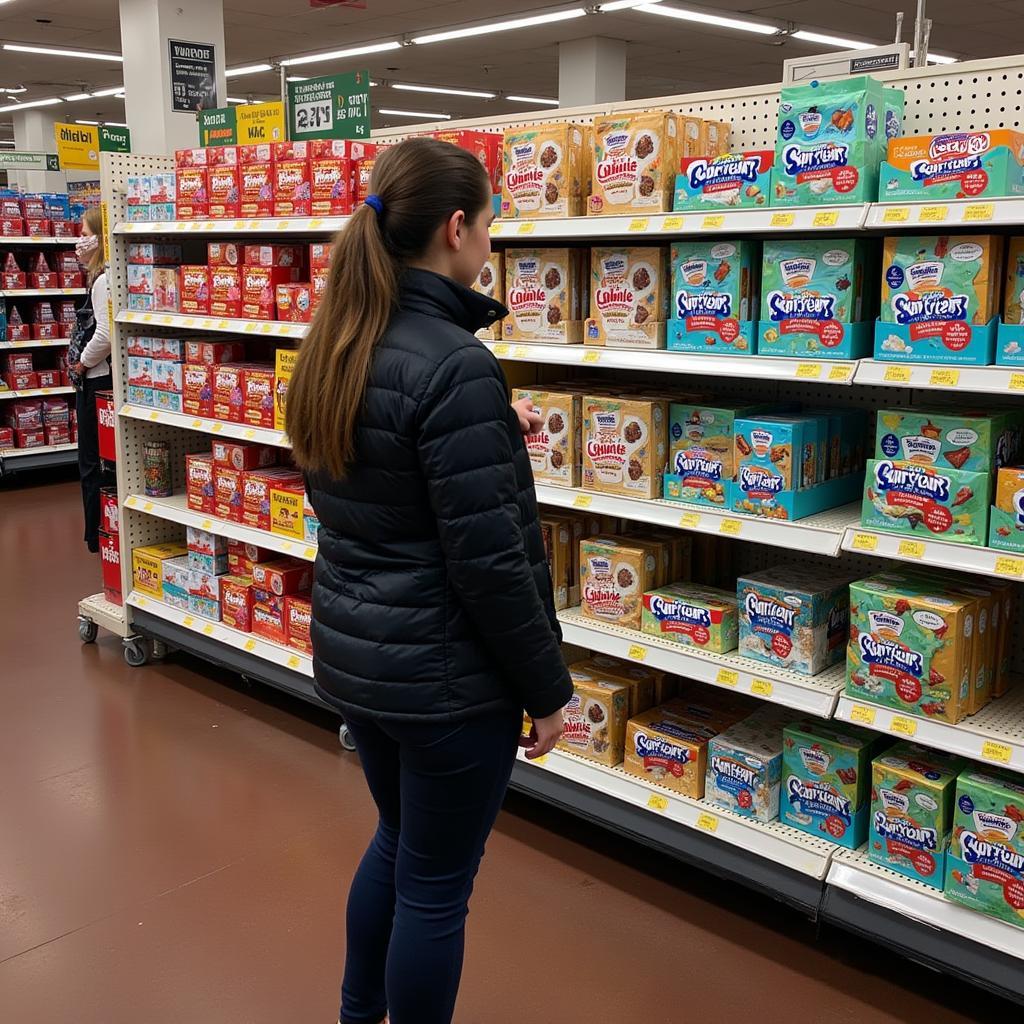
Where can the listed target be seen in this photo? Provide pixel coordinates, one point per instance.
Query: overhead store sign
(79, 145)
(13, 160)
(246, 125)
(337, 107)
(893, 57)
(193, 70)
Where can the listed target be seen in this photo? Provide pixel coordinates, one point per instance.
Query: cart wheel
(345, 738)
(135, 653)
(87, 630)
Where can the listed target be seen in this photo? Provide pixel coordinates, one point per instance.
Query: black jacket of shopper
(432, 593)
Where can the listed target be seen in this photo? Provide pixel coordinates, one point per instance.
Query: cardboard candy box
(664, 747)
(595, 720)
(693, 616)
(554, 449)
(614, 575)
(544, 291)
(624, 443)
(629, 290)
(635, 161)
(733, 180)
(544, 171)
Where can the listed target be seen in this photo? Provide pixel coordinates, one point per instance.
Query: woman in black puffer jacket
(433, 620)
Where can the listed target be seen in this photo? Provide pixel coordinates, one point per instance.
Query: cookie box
(175, 580)
(813, 299)
(595, 720)
(491, 282)
(826, 780)
(635, 161)
(985, 863)
(714, 297)
(556, 532)
(1006, 517)
(911, 645)
(733, 180)
(953, 165)
(284, 367)
(614, 575)
(927, 501)
(554, 449)
(744, 769)
(624, 445)
(692, 616)
(545, 170)
(793, 618)
(668, 749)
(974, 442)
(147, 566)
(628, 297)
(544, 292)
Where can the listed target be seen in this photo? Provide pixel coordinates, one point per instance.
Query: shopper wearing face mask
(89, 368)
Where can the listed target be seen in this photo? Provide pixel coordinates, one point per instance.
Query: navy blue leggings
(438, 788)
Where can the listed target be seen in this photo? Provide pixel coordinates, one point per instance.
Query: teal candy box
(734, 180)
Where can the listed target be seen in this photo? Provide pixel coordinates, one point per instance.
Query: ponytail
(417, 186)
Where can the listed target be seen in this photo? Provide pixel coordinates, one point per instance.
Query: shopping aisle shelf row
(37, 343)
(38, 293)
(175, 510)
(968, 214)
(269, 225)
(261, 435)
(37, 392)
(989, 380)
(9, 241)
(41, 457)
(230, 325)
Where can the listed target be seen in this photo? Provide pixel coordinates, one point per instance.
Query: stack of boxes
(153, 276)
(33, 423)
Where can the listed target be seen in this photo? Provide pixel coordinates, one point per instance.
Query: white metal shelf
(37, 343)
(815, 695)
(936, 214)
(261, 435)
(33, 293)
(37, 393)
(44, 449)
(235, 226)
(188, 321)
(852, 871)
(9, 240)
(104, 613)
(175, 510)
(992, 380)
(820, 534)
(923, 550)
(995, 735)
(265, 650)
(777, 842)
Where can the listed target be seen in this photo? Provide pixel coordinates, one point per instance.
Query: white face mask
(86, 246)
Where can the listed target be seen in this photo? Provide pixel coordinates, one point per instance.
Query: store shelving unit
(17, 241)
(961, 214)
(40, 293)
(264, 328)
(37, 392)
(260, 435)
(315, 226)
(13, 459)
(985, 380)
(35, 343)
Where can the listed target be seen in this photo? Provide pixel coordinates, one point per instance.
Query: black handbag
(81, 335)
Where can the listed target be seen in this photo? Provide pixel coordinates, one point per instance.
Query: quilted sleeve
(466, 454)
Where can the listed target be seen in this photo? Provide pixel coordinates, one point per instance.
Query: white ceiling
(665, 56)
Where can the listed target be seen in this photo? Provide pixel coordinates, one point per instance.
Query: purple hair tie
(376, 203)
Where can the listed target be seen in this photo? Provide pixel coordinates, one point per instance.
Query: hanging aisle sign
(79, 145)
(193, 70)
(14, 160)
(243, 126)
(336, 107)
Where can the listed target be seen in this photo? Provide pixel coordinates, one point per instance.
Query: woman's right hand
(544, 734)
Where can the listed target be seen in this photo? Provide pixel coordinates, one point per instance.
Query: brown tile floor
(174, 849)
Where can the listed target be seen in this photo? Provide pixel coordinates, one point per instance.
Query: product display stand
(823, 880)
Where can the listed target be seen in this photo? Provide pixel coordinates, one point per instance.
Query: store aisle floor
(174, 849)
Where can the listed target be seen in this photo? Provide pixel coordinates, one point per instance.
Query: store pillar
(33, 131)
(591, 71)
(154, 82)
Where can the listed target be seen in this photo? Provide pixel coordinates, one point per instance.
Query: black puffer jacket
(432, 595)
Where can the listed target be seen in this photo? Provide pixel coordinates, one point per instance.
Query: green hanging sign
(335, 107)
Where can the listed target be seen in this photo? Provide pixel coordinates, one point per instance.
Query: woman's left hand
(78, 368)
(529, 419)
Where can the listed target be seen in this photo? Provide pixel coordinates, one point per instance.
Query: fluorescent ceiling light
(115, 124)
(31, 103)
(352, 51)
(78, 96)
(941, 58)
(704, 18)
(827, 40)
(624, 5)
(297, 78)
(502, 26)
(235, 99)
(443, 91)
(57, 52)
(249, 69)
(6, 142)
(542, 100)
(14, 90)
(79, 120)
(415, 113)
(112, 91)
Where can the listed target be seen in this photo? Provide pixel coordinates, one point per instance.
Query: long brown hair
(420, 184)
(98, 260)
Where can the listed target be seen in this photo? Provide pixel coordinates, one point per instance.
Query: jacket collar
(423, 291)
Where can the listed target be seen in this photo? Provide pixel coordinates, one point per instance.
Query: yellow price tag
(979, 211)
(862, 714)
(903, 726)
(542, 760)
(1016, 382)
(250, 328)
(250, 434)
(712, 220)
(727, 677)
(501, 350)
(638, 224)
(217, 428)
(130, 501)
(1007, 566)
(315, 223)
(826, 219)
(146, 318)
(689, 520)
(250, 645)
(582, 501)
(782, 220)
(526, 228)
(896, 215)
(897, 375)
(592, 355)
(707, 822)
(208, 629)
(808, 371)
(286, 547)
(293, 661)
(843, 372)
(520, 352)
(141, 602)
(998, 752)
(910, 549)
(154, 415)
(282, 225)
(222, 325)
(761, 687)
(657, 802)
(637, 652)
(205, 525)
(196, 424)
(933, 214)
(865, 542)
(148, 507)
(188, 621)
(238, 225)
(674, 223)
(730, 527)
(944, 378)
